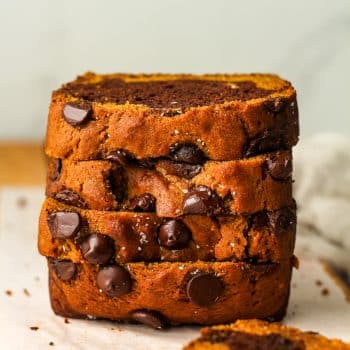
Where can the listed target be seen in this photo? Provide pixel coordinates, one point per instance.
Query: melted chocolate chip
(187, 153)
(268, 142)
(76, 113)
(276, 105)
(115, 281)
(204, 289)
(120, 157)
(117, 181)
(201, 200)
(281, 220)
(150, 318)
(55, 169)
(97, 248)
(143, 203)
(186, 171)
(236, 340)
(124, 158)
(279, 167)
(64, 224)
(174, 234)
(64, 269)
(70, 197)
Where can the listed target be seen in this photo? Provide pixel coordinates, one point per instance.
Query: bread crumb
(66, 321)
(26, 292)
(325, 292)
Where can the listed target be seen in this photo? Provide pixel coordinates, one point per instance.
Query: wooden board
(22, 163)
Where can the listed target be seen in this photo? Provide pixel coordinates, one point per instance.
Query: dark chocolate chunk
(187, 171)
(150, 318)
(281, 220)
(201, 200)
(64, 269)
(55, 169)
(174, 234)
(124, 158)
(76, 113)
(236, 340)
(268, 141)
(204, 289)
(276, 105)
(279, 167)
(70, 197)
(144, 203)
(97, 248)
(187, 153)
(120, 157)
(117, 181)
(64, 224)
(115, 281)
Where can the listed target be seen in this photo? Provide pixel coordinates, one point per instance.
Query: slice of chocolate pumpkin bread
(226, 116)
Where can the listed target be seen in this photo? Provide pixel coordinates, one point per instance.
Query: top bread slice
(226, 117)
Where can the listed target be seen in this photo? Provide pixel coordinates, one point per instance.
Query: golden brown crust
(135, 236)
(245, 186)
(310, 340)
(226, 131)
(250, 291)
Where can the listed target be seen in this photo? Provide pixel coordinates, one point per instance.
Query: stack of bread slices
(169, 198)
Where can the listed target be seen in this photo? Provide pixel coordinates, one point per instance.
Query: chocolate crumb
(66, 321)
(318, 283)
(325, 292)
(34, 328)
(51, 343)
(26, 292)
(8, 293)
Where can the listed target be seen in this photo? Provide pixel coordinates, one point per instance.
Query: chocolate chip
(187, 153)
(269, 141)
(97, 248)
(115, 281)
(70, 197)
(150, 318)
(64, 269)
(279, 167)
(64, 224)
(204, 289)
(174, 234)
(76, 113)
(116, 180)
(201, 200)
(143, 203)
(55, 169)
(125, 158)
(120, 157)
(281, 220)
(276, 105)
(187, 171)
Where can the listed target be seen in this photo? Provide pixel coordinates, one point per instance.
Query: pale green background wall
(44, 43)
